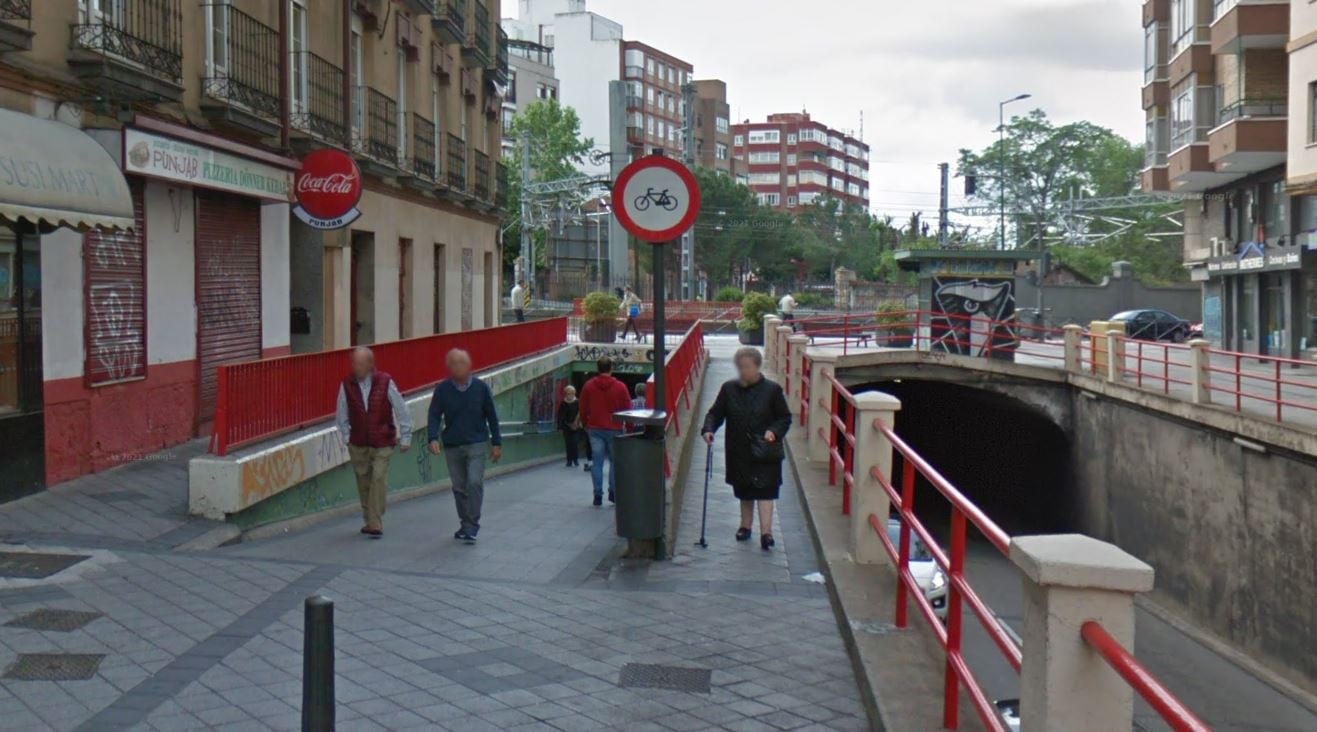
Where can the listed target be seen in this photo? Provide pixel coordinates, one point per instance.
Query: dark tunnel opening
(1007, 457)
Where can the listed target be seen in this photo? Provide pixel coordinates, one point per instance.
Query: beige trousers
(371, 464)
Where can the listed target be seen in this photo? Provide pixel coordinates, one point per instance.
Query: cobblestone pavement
(539, 627)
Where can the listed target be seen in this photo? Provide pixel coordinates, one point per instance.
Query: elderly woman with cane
(757, 418)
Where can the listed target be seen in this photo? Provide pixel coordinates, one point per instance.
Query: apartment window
(404, 82)
(436, 96)
(813, 177)
(359, 96)
(722, 125)
(762, 158)
(672, 75)
(298, 82)
(791, 139)
(1182, 23)
(1182, 118)
(649, 66)
(765, 179)
(649, 95)
(635, 89)
(545, 91)
(1312, 111)
(738, 141)
(649, 125)
(720, 151)
(637, 120)
(769, 199)
(635, 58)
(761, 137)
(838, 184)
(809, 197)
(217, 38)
(1150, 53)
(791, 201)
(791, 158)
(792, 180)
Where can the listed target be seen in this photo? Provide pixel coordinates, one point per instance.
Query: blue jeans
(601, 444)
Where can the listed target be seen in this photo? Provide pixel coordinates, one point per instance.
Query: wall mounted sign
(328, 189)
(1256, 257)
(187, 162)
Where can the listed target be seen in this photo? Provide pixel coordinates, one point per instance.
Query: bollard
(771, 323)
(820, 403)
(872, 450)
(318, 665)
(1200, 362)
(1074, 348)
(1070, 579)
(1115, 357)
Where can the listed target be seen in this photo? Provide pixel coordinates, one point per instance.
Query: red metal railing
(680, 370)
(1172, 710)
(841, 436)
(259, 399)
(680, 310)
(1266, 383)
(805, 369)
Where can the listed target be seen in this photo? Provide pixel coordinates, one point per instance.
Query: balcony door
(358, 93)
(298, 82)
(217, 39)
(107, 12)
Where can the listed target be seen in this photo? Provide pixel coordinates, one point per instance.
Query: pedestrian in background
(787, 308)
(569, 424)
(638, 402)
(463, 427)
(601, 398)
(757, 418)
(372, 418)
(519, 293)
(631, 308)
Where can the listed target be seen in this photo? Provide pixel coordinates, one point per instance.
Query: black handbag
(763, 451)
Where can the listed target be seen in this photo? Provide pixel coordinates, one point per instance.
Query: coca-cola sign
(328, 188)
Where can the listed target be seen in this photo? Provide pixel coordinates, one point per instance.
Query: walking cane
(704, 512)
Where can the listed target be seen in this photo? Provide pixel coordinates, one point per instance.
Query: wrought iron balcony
(132, 51)
(456, 163)
(425, 163)
(449, 20)
(319, 112)
(499, 71)
(479, 37)
(15, 25)
(501, 189)
(243, 72)
(481, 173)
(375, 135)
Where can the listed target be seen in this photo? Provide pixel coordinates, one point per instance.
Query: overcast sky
(927, 74)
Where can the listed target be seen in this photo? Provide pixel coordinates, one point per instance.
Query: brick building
(713, 127)
(791, 160)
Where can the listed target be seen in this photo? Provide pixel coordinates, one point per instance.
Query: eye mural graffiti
(964, 313)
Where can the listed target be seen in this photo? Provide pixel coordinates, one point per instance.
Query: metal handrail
(1171, 709)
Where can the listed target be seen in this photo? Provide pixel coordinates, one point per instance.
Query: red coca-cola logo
(329, 184)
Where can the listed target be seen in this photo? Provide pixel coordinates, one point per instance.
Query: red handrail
(1171, 709)
(680, 369)
(259, 399)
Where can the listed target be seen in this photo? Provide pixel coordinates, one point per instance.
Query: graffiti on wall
(116, 305)
(617, 353)
(964, 313)
(272, 473)
(542, 401)
(468, 283)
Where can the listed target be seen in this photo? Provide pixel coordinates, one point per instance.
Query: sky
(927, 75)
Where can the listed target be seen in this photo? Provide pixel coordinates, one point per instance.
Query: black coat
(749, 410)
(567, 414)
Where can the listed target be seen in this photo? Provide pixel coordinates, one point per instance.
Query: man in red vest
(372, 418)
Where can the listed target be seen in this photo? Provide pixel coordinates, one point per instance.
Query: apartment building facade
(531, 78)
(1224, 94)
(204, 111)
(713, 126)
(791, 160)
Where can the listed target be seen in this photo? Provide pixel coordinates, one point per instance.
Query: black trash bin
(641, 488)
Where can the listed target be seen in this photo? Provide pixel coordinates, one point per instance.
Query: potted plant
(751, 325)
(896, 328)
(599, 318)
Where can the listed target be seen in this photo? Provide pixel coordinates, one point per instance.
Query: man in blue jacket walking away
(463, 427)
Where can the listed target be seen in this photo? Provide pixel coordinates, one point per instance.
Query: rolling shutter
(115, 267)
(228, 288)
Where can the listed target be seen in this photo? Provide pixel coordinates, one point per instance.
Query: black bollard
(318, 665)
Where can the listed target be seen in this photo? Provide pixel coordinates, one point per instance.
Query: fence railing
(481, 174)
(456, 162)
(680, 371)
(842, 431)
(424, 160)
(244, 70)
(379, 139)
(260, 399)
(321, 112)
(15, 10)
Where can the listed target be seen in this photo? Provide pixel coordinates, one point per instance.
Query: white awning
(54, 175)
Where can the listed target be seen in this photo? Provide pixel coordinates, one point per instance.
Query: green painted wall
(526, 411)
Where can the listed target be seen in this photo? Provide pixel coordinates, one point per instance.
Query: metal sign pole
(660, 327)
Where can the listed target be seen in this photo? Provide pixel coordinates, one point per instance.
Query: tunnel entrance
(1007, 457)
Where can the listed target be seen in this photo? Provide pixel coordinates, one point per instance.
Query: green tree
(557, 151)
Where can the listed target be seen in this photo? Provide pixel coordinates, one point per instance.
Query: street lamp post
(1001, 153)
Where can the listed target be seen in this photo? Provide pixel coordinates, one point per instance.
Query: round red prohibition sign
(656, 198)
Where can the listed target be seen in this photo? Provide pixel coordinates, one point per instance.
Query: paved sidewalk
(538, 627)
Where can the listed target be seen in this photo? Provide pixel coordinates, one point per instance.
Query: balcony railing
(501, 56)
(456, 162)
(246, 70)
(480, 168)
(1221, 7)
(455, 12)
(501, 186)
(15, 9)
(424, 161)
(531, 51)
(478, 35)
(320, 111)
(379, 138)
(1253, 108)
(148, 33)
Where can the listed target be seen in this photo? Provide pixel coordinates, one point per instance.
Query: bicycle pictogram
(661, 199)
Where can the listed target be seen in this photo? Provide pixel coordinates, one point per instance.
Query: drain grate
(54, 666)
(53, 619)
(36, 565)
(117, 496)
(654, 676)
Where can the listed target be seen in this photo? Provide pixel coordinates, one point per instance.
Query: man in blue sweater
(464, 427)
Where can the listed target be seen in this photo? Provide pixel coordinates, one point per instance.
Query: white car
(1009, 709)
(929, 576)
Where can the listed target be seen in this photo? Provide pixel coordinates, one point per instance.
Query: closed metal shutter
(228, 288)
(115, 267)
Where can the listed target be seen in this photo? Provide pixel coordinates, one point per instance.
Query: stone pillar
(1200, 362)
(1115, 357)
(844, 280)
(872, 449)
(820, 402)
(798, 345)
(780, 350)
(1073, 338)
(1070, 579)
(771, 323)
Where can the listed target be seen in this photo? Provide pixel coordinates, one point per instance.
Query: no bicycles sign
(656, 198)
